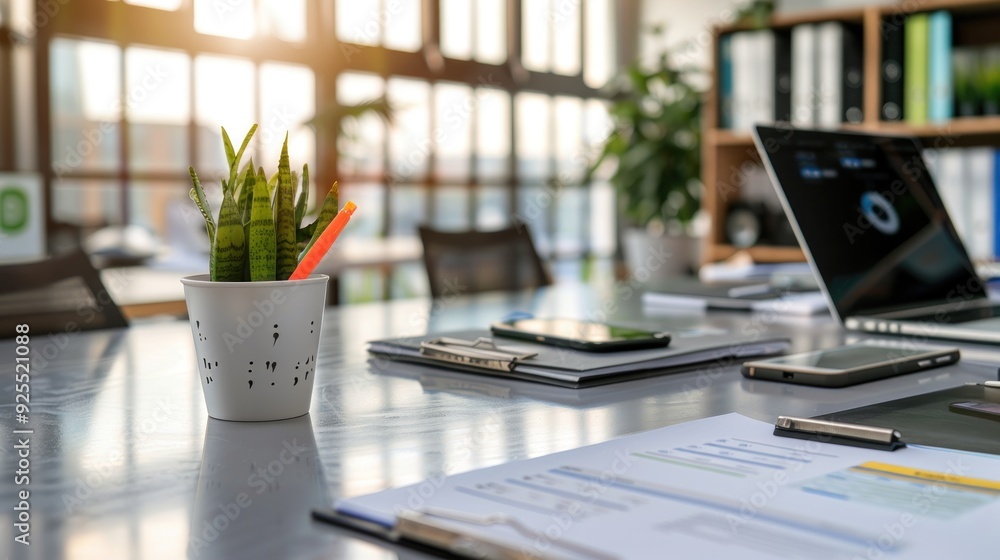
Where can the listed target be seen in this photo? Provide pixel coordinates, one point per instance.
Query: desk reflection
(257, 484)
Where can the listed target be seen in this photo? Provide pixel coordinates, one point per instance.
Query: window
(473, 140)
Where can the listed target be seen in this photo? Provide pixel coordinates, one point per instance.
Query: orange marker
(323, 244)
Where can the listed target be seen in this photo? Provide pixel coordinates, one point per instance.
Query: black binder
(852, 92)
(891, 71)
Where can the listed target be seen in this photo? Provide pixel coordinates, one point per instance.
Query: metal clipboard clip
(481, 352)
(825, 431)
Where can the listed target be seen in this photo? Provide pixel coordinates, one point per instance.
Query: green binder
(915, 76)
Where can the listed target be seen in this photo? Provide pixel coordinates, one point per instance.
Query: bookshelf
(726, 152)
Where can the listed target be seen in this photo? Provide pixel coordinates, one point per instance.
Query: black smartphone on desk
(848, 365)
(979, 409)
(581, 335)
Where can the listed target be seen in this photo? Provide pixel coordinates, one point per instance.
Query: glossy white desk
(125, 463)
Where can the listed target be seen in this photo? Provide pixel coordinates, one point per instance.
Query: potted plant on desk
(256, 317)
(656, 141)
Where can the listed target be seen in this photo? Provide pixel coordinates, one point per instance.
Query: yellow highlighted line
(932, 476)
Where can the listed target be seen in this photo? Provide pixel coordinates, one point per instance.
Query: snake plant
(258, 235)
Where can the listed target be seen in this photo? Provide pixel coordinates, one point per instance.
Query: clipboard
(476, 351)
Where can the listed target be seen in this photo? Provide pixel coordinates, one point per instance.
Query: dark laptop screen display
(872, 219)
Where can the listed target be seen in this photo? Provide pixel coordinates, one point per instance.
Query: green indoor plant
(256, 333)
(655, 140)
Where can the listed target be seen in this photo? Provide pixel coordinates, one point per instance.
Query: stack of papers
(689, 294)
(721, 487)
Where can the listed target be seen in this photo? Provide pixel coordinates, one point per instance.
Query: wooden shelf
(725, 153)
(759, 253)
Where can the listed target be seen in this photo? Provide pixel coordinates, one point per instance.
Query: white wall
(688, 26)
(689, 22)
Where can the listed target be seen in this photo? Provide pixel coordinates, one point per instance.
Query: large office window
(496, 110)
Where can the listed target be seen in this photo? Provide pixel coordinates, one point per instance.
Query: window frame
(174, 30)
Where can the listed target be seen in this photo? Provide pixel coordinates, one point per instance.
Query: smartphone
(848, 365)
(988, 410)
(581, 335)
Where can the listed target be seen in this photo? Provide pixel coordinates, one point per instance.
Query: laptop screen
(868, 213)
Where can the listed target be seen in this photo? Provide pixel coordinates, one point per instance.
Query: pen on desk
(994, 384)
(323, 244)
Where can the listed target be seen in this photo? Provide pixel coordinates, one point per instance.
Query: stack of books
(968, 180)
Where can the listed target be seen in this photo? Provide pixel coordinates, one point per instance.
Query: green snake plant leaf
(284, 223)
(262, 238)
(226, 260)
(197, 194)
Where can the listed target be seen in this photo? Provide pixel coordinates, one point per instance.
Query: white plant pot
(256, 344)
(659, 256)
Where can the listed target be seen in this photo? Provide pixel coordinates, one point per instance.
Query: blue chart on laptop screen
(872, 219)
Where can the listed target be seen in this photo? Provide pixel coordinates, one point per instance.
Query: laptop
(875, 231)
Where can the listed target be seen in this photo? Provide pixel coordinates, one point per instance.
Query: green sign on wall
(22, 222)
(13, 210)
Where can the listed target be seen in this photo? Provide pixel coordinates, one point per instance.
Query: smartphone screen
(585, 335)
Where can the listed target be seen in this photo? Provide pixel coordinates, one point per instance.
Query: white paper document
(721, 487)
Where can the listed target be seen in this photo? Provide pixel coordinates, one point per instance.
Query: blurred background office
(452, 114)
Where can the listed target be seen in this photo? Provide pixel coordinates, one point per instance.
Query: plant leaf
(197, 194)
(284, 223)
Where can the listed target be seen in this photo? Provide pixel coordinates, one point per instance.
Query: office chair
(468, 262)
(62, 294)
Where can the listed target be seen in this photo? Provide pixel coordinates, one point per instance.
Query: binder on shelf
(782, 75)
(476, 351)
(915, 78)
(803, 75)
(892, 71)
(763, 76)
(940, 102)
(979, 197)
(726, 81)
(830, 75)
(744, 81)
(996, 205)
(852, 93)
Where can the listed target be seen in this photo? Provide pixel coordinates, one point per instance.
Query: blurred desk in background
(146, 291)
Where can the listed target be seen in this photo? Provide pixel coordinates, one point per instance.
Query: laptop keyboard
(960, 316)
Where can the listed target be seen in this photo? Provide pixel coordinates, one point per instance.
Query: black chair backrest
(62, 294)
(467, 262)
